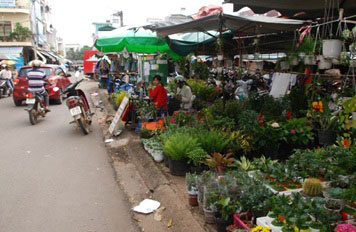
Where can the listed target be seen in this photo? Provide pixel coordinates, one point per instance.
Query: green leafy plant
(213, 141)
(298, 132)
(20, 33)
(191, 182)
(335, 193)
(197, 156)
(349, 106)
(226, 207)
(178, 145)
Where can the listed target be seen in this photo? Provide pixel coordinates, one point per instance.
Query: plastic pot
(332, 48)
(284, 65)
(178, 167)
(294, 61)
(166, 160)
(326, 137)
(158, 156)
(324, 63)
(309, 60)
(193, 199)
(221, 224)
(209, 216)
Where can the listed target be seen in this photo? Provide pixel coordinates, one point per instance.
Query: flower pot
(324, 63)
(209, 216)
(178, 167)
(220, 57)
(334, 211)
(284, 65)
(158, 156)
(314, 230)
(354, 116)
(221, 224)
(309, 60)
(294, 61)
(332, 48)
(192, 199)
(166, 160)
(326, 137)
(336, 61)
(275, 228)
(339, 201)
(198, 169)
(201, 208)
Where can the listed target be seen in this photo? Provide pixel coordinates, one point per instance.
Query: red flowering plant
(298, 132)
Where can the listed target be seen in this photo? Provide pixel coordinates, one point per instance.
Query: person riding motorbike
(7, 74)
(37, 80)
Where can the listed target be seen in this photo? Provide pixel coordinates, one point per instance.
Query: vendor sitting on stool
(184, 94)
(159, 96)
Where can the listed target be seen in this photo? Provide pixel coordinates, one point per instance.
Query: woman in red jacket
(159, 96)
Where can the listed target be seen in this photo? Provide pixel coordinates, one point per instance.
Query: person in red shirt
(159, 96)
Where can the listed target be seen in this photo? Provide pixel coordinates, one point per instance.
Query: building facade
(26, 30)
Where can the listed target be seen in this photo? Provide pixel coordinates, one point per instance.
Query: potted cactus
(312, 187)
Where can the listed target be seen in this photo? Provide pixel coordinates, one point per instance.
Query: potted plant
(202, 181)
(312, 187)
(211, 197)
(176, 147)
(335, 194)
(220, 161)
(349, 110)
(277, 223)
(226, 208)
(284, 63)
(192, 189)
(323, 63)
(324, 122)
(333, 207)
(196, 158)
(332, 48)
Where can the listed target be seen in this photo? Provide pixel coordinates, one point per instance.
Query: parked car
(56, 78)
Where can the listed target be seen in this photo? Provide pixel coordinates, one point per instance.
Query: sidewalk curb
(140, 177)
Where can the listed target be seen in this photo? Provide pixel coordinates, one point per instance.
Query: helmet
(36, 63)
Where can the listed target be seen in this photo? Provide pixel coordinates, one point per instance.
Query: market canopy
(246, 25)
(312, 8)
(136, 40)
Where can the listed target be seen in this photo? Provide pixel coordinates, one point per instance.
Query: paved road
(53, 178)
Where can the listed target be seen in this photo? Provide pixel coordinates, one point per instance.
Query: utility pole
(119, 16)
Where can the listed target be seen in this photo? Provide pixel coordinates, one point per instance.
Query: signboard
(7, 3)
(118, 114)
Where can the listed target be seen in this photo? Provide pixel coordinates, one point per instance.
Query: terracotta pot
(193, 199)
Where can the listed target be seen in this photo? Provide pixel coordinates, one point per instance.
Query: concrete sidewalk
(140, 177)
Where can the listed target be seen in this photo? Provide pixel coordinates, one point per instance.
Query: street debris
(109, 141)
(147, 206)
(158, 214)
(170, 223)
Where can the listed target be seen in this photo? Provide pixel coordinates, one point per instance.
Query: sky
(73, 18)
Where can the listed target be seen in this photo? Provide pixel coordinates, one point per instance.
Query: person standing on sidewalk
(159, 96)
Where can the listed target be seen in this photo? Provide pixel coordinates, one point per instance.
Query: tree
(20, 33)
(78, 54)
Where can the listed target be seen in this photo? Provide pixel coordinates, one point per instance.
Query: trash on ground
(117, 133)
(109, 141)
(147, 206)
(170, 223)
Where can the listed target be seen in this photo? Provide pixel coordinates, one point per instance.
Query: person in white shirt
(7, 74)
(184, 93)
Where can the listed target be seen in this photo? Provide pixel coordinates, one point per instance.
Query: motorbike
(36, 105)
(78, 106)
(4, 88)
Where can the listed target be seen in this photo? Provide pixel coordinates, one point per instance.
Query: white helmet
(36, 63)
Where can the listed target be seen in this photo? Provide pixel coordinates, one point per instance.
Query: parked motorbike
(36, 105)
(4, 88)
(78, 106)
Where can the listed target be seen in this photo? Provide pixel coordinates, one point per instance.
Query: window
(5, 28)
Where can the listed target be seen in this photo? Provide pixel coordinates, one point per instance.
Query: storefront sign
(7, 3)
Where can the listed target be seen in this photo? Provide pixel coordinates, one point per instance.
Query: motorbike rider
(37, 80)
(7, 74)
